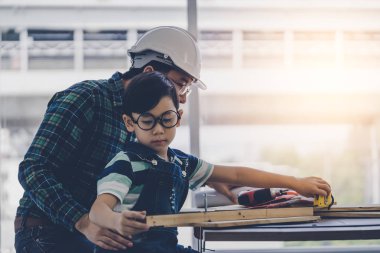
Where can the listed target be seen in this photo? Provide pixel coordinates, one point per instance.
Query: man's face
(182, 82)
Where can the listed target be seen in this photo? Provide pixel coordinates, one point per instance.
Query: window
(10, 50)
(50, 49)
(361, 49)
(263, 49)
(105, 49)
(216, 48)
(314, 49)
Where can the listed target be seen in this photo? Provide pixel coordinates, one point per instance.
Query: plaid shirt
(81, 131)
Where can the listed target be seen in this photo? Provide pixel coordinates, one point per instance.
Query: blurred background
(294, 85)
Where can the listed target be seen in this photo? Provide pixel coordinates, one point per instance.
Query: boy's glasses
(146, 121)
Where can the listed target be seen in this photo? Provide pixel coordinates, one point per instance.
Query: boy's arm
(126, 223)
(224, 189)
(244, 176)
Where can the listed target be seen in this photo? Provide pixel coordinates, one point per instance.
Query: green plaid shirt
(81, 131)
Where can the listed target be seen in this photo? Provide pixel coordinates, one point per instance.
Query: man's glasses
(183, 89)
(146, 121)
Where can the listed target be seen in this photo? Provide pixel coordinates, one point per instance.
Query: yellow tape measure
(322, 201)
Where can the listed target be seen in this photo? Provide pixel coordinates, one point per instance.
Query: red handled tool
(262, 195)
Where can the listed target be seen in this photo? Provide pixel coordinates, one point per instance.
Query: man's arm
(100, 236)
(56, 143)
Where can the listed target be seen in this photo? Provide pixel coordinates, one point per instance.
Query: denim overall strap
(162, 194)
(165, 186)
(164, 189)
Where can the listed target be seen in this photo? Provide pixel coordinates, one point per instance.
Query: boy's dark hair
(145, 91)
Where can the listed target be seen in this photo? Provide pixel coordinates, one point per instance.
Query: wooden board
(368, 208)
(239, 223)
(186, 219)
(349, 214)
(216, 208)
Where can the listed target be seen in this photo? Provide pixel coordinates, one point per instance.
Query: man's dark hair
(145, 91)
(157, 66)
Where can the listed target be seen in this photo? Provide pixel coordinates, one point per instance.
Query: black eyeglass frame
(156, 119)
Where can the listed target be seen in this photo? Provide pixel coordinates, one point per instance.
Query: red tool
(262, 195)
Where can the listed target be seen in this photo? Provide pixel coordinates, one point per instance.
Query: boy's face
(158, 138)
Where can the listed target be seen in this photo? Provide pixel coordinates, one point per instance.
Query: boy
(151, 178)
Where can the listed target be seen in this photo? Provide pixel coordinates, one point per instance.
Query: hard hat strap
(141, 59)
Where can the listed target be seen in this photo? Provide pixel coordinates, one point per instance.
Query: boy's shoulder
(178, 152)
(182, 155)
(127, 155)
(130, 156)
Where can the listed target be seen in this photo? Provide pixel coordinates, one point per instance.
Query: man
(81, 131)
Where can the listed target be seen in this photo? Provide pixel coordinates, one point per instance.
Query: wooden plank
(238, 223)
(349, 214)
(367, 208)
(216, 208)
(186, 219)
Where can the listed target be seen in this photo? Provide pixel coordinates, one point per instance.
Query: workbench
(324, 229)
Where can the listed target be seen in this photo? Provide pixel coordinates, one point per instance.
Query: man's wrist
(82, 223)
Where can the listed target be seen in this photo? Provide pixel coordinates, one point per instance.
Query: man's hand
(224, 189)
(102, 237)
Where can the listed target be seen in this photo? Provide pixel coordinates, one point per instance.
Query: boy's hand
(129, 223)
(310, 186)
(102, 237)
(224, 189)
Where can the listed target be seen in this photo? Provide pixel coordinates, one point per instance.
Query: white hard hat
(173, 46)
